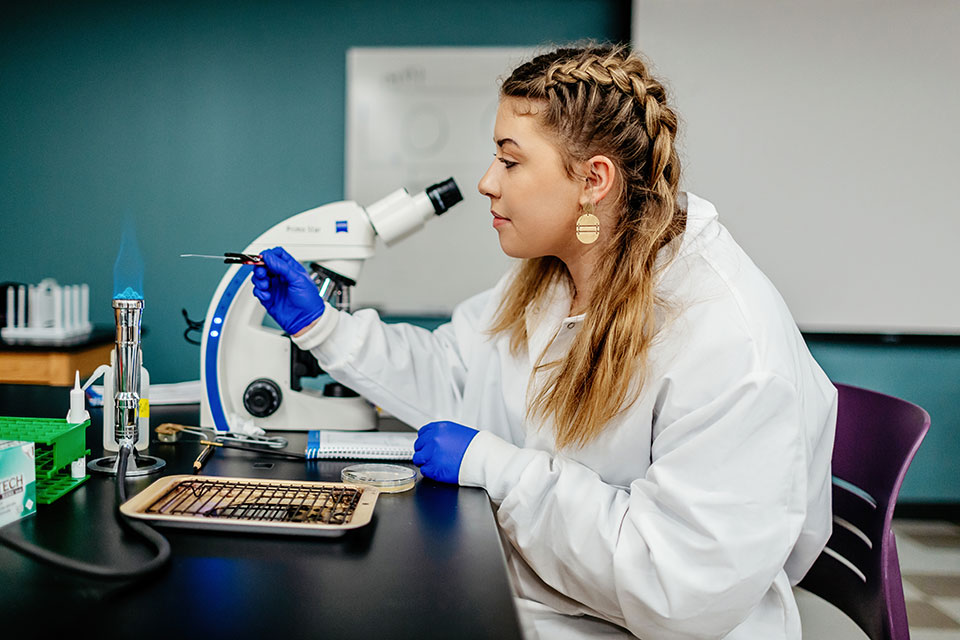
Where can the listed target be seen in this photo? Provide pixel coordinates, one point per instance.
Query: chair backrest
(859, 571)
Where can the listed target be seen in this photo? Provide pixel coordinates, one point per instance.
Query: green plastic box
(57, 444)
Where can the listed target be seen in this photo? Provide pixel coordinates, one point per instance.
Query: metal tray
(254, 505)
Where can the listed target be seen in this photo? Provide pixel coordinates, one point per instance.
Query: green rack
(57, 443)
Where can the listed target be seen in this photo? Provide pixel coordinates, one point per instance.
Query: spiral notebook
(361, 445)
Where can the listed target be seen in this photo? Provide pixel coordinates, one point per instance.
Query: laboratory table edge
(429, 565)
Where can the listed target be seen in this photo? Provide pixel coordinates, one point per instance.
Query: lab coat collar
(545, 318)
(700, 213)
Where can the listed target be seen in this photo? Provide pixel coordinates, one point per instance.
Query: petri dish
(388, 478)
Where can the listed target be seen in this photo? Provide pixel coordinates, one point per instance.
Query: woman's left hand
(439, 450)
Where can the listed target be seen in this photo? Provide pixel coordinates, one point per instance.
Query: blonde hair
(601, 100)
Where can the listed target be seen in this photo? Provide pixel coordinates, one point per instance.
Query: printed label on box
(18, 485)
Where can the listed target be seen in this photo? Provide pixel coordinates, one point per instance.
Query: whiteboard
(416, 116)
(826, 132)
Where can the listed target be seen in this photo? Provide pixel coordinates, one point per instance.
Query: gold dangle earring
(588, 225)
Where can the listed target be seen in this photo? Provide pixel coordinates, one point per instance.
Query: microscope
(252, 373)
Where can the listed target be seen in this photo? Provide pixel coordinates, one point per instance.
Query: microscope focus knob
(262, 397)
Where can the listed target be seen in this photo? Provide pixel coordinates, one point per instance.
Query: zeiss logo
(341, 226)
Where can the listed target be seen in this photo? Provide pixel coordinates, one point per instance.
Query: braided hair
(601, 100)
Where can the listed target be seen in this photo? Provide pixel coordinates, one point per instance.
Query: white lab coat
(693, 512)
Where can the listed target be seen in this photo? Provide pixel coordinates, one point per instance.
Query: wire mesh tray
(254, 505)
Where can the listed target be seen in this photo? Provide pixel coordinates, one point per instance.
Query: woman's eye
(507, 163)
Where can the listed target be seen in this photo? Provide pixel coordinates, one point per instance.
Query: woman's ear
(600, 174)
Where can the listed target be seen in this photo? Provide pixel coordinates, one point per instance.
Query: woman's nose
(487, 184)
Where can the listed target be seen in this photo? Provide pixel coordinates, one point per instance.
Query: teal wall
(204, 123)
(925, 375)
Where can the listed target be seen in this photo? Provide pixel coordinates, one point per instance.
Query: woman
(635, 397)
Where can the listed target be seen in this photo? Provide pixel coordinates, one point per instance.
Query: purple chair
(859, 571)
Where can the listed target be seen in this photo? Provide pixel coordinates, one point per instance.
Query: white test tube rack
(47, 314)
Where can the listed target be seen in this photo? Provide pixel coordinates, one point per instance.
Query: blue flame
(128, 294)
(128, 268)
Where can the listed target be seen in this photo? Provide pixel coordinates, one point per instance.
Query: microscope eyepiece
(399, 214)
(444, 195)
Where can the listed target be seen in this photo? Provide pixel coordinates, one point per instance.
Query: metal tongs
(170, 432)
(243, 258)
(230, 258)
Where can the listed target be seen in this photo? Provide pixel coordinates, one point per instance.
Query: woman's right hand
(286, 291)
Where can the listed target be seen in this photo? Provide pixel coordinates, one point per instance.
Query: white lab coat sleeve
(688, 550)
(416, 374)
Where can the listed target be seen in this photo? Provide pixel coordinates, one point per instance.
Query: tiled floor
(930, 564)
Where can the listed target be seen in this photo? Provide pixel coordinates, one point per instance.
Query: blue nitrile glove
(439, 450)
(285, 289)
